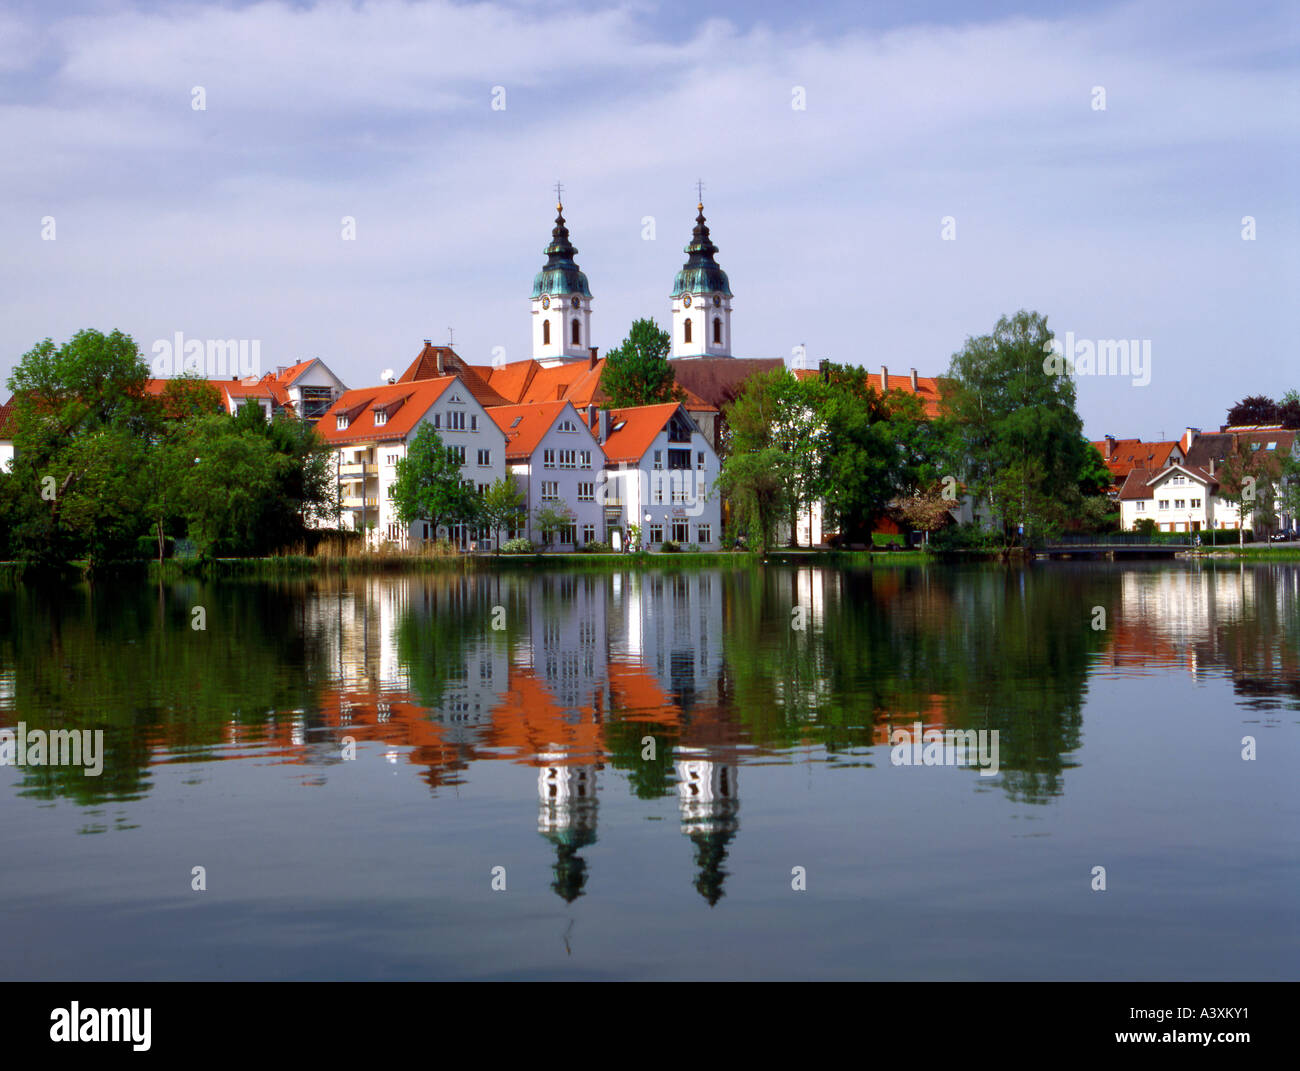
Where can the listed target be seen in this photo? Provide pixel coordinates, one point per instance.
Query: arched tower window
(546, 332)
(577, 332)
(717, 329)
(688, 331)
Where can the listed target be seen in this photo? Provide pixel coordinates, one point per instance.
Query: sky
(951, 165)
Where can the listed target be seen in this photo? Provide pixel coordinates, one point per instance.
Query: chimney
(438, 352)
(604, 425)
(884, 378)
(591, 416)
(1211, 466)
(1110, 447)
(916, 388)
(592, 362)
(1189, 436)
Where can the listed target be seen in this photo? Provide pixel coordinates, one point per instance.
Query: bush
(1145, 526)
(669, 547)
(595, 547)
(965, 537)
(517, 546)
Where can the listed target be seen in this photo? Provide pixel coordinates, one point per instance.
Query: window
(577, 340)
(456, 421)
(567, 425)
(569, 534)
(550, 490)
(426, 531)
(392, 459)
(586, 492)
(1180, 503)
(515, 423)
(1164, 503)
(392, 487)
(457, 454)
(546, 332)
(381, 417)
(659, 459)
(568, 459)
(482, 489)
(473, 422)
(717, 329)
(548, 459)
(679, 492)
(585, 457)
(656, 533)
(704, 534)
(588, 534)
(484, 458)
(392, 532)
(681, 532)
(1196, 503)
(437, 421)
(658, 492)
(687, 329)
(699, 459)
(1141, 507)
(342, 422)
(679, 459)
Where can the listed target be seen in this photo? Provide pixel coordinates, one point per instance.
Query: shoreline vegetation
(378, 562)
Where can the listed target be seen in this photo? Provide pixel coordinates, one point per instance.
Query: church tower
(561, 303)
(701, 300)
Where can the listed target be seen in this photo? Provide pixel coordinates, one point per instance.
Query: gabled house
(661, 471)
(305, 390)
(556, 461)
(1122, 456)
(371, 430)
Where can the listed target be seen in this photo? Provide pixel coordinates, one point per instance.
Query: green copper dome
(560, 275)
(701, 274)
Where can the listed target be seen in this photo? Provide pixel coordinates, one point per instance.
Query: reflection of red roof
(405, 404)
(640, 426)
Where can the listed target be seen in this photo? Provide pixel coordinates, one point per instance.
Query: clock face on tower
(686, 301)
(546, 302)
(577, 303)
(716, 301)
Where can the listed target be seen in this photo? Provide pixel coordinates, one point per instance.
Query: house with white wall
(556, 462)
(371, 430)
(661, 473)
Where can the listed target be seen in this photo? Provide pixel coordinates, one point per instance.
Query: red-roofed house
(556, 461)
(371, 429)
(661, 470)
(1122, 456)
(6, 436)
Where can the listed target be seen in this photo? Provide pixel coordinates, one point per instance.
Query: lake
(703, 773)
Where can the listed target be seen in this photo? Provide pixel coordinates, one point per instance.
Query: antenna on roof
(451, 337)
(386, 375)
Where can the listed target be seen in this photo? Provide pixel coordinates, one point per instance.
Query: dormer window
(381, 417)
(342, 422)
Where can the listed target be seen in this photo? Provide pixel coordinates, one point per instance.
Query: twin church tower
(562, 301)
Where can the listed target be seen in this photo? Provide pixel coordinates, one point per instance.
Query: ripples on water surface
(529, 748)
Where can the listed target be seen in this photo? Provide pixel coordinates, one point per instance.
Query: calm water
(524, 746)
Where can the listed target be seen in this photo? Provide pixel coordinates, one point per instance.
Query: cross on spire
(699, 192)
(559, 192)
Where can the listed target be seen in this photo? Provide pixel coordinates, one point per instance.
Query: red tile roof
(525, 425)
(406, 404)
(1128, 454)
(426, 367)
(6, 415)
(287, 377)
(640, 426)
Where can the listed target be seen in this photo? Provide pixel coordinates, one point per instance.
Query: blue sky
(226, 223)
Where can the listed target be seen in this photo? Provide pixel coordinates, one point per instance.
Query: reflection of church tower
(561, 303)
(567, 818)
(709, 799)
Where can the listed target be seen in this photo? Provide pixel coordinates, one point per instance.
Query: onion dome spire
(561, 274)
(701, 273)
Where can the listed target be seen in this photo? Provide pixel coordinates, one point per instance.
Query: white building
(660, 475)
(701, 300)
(371, 430)
(561, 303)
(556, 461)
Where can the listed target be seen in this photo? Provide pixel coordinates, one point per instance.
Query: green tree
(1021, 442)
(1248, 479)
(429, 485)
(224, 475)
(551, 517)
(756, 485)
(503, 507)
(637, 372)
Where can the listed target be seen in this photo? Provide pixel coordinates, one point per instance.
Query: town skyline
(1124, 221)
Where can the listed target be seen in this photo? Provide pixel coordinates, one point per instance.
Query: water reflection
(672, 680)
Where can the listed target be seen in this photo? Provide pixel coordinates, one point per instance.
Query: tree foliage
(429, 485)
(637, 371)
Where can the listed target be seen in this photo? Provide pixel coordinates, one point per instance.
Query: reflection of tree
(1260, 646)
(980, 649)
(650, 778)
(123, 658)
(443, 620)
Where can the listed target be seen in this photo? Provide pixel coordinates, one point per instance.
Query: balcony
(360, 503)
(353, 469)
